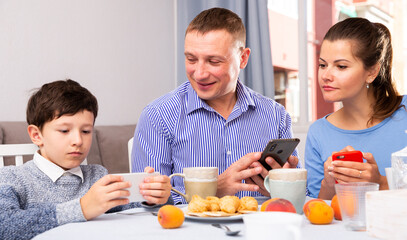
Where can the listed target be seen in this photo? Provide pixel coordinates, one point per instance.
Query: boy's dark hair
(59, 98)
(218, 19)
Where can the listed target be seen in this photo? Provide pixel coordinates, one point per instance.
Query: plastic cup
(351, 198)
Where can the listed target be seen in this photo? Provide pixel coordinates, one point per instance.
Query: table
(146, 226)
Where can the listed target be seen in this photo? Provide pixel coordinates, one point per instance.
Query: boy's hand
(104, 195)
(155, 189)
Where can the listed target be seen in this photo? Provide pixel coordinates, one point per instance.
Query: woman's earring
(367, 85)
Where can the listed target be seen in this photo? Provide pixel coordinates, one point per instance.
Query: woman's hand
(345, 171)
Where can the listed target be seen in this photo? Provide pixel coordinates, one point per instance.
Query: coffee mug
(273, 225)
(202, 181)
(288, 183)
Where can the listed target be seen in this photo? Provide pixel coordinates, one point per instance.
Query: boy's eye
(63, 131)
(86, 131)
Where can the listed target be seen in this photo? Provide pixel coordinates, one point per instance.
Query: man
(213, 119)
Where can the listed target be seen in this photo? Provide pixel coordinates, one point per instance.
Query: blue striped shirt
(180, 130)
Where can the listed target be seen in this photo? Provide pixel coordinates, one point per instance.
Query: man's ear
(244, 58)
(35, 135)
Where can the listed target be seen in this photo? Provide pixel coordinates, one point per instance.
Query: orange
(170, 216)
(319, 212)
(336, 208)
(305, 207)
(349, 205)
(264, 205)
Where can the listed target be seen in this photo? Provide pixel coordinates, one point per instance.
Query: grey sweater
(30, 203)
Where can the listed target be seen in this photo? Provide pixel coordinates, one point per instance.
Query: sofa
(109, 144)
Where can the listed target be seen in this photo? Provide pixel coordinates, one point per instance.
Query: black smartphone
(280, 150)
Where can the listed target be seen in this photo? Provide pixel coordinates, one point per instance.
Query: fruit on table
(306, 205)
(280, 205)
(319, 212)
(264, 205)
(349, 205)
(336, 208)
(170, 216)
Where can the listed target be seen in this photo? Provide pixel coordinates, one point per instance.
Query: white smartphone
(135, 179)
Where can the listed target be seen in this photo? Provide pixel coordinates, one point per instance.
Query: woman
(355, 68)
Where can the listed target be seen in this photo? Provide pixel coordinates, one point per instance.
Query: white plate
(212, 219)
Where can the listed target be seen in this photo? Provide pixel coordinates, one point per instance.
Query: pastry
(213, 204)
(198, 204)
(248, 204)
(229, 204)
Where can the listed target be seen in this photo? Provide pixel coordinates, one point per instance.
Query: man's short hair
(59, 98)
(219, 19)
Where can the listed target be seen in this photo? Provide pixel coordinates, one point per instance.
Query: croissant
(229, 204)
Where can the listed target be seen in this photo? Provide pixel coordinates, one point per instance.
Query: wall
(123, 51)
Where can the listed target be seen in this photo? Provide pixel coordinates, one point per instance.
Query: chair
(130, 147)
(16, 150)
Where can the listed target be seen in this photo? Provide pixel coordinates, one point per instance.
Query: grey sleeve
(70, 211)
(18, 223)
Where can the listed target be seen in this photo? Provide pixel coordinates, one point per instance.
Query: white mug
(288, 183)
(389, 176)
(202, 181)
(273, 225)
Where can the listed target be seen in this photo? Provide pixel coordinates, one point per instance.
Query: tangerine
(336, 208)
(319, 212)
(170, 216)
(305, 207)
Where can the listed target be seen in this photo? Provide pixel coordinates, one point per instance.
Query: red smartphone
(355, 156)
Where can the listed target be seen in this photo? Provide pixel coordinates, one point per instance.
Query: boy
(53, 188)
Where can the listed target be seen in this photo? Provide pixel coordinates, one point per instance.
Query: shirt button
(229, 152)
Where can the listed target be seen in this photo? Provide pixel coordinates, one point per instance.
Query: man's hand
(230, 181)
(106, 193)
(292, 162)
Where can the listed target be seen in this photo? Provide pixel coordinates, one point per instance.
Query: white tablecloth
(146, 226)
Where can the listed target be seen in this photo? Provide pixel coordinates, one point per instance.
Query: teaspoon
(227, 229)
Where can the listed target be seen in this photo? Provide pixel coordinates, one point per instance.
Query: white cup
(273, 225)
(288, 183)
(202, 181)
(389, 176)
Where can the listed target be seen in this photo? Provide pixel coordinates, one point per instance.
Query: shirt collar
(52, 170)
(244, 99)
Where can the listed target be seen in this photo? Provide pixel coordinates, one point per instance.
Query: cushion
(112, 141)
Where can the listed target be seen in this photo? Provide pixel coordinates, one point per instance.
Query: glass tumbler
(351, 198)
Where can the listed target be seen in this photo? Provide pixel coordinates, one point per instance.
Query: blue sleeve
(17, 223)
(313, 163)
(152, 144)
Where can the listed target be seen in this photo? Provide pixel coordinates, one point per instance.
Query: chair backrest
(130, 147)
(16, 150)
